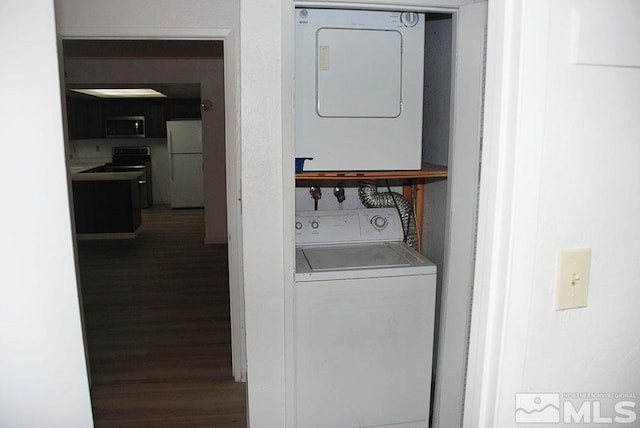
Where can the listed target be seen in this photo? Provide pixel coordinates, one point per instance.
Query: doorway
(191, 74)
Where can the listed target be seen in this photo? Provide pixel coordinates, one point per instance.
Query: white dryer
(364, 315)
(358, 89)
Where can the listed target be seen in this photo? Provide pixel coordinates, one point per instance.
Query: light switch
(572, 287)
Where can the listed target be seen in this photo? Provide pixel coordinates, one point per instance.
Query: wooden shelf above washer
(413, 183)
(428, 170)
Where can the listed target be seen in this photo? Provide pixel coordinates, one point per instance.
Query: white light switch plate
(572, 286)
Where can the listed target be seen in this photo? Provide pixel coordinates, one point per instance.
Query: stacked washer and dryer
(364, 299)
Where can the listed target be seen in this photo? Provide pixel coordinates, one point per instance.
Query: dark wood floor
(157, 321)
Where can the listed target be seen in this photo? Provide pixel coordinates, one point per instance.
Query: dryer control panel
(348, 226)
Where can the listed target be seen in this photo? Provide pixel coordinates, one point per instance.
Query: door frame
(465, 152)
(232, 155)
(459, 247)
(512, 121)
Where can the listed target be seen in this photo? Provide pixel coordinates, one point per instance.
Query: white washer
(365, 306)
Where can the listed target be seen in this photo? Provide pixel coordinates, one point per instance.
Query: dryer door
(359, 73)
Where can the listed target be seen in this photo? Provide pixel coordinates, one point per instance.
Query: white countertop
(81, 167)
(106, 176)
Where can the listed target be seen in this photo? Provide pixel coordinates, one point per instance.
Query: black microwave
(124, 127)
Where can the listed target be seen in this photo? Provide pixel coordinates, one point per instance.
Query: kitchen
(138, 141)
(188, 73)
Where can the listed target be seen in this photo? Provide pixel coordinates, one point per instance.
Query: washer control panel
(346, 226)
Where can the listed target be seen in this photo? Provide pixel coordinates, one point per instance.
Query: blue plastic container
(300, 164)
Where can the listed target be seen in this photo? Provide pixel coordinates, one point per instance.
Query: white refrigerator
(186, 180)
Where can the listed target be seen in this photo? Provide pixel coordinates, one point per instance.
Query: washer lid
(336, 257)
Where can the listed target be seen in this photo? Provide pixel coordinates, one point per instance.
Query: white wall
(42, 368)
(437, 92)
(562, 160)
(436, 136)
(404, 4)
(124, 18)
(262, 215)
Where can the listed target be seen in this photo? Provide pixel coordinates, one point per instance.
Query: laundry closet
(375, 124)
(373, 104)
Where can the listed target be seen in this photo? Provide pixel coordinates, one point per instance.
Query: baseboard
(117, 235)
(215, 240)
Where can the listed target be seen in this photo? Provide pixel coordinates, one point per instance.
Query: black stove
(130, 155)
(135, 159)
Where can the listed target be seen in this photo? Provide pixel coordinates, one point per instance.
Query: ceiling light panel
(122, 93)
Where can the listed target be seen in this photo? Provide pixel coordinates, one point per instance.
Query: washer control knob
(298, 225)
(379, 222)
(315, 224)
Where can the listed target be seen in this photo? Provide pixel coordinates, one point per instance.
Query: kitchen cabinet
(86, 116)
(155, 118)
(183, 109)
(106, 205)
(412, 182)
